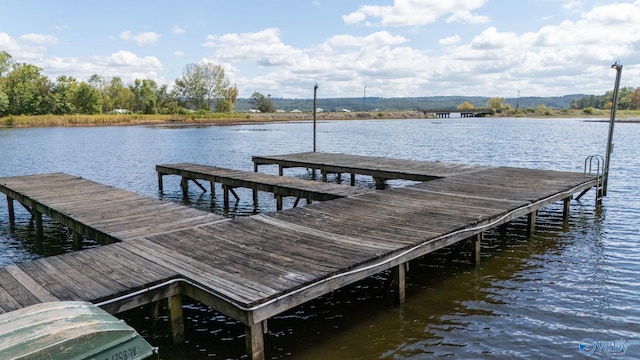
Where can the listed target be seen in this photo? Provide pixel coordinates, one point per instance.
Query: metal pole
(614, 106)
(315, 91)
(364, 96)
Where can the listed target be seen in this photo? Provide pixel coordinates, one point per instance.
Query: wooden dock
(380, 168)
(100, 212)
(256, 267)
(230, 179)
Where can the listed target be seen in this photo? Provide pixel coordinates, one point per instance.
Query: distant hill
(409, 103)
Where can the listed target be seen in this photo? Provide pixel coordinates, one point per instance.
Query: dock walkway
(380, 168)
(100, 212)
(279, 186)
(256, 267)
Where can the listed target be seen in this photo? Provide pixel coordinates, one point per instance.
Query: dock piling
(255, 340)
(39, 226)
(531, 223)
(399, 274)
(477, 239)
(566, 210)
(176, 318)
(12, 214)
(160, 185)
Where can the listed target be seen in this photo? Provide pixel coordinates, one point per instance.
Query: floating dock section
(230, 179)
(380, 168)
(256, 267)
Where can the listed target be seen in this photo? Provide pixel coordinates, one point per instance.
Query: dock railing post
(614, 106)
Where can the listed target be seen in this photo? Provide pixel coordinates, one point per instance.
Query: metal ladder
(595, 163)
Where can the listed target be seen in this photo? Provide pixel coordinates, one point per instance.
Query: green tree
(144, 96)
(64, 94)
(227, 104)
(495, 103)
(163, 100)
(4, 102)
(466, 106)
(262, 103)
(201, 84)
(6, 63)
(99, 83)
(29, 91)
(87, 99)
(120, 96)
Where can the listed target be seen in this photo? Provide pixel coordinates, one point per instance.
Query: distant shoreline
(257, 118)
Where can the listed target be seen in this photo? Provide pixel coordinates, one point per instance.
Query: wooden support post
(531, 223)
(199, 185)
(234, 193)
(295, 204)
(324, 175)
(184, 184)
(353, 179)
(476, 248)
(12, 214)
(399, 274)
(380, 183)
(255, 197)
(280, 170)
(77, 240)
(160, 185)
(278, 201)
(225, 193)
(212, 185)
(39, 226)
(339, 176)
(176, 319)
(255, 341)
(566, 209)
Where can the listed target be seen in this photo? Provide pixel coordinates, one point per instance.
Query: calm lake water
(529, 298)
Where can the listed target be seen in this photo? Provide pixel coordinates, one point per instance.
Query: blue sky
(283, 47)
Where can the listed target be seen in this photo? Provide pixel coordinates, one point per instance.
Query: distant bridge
(463, 113)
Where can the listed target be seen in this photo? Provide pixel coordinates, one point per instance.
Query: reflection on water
(528, 298)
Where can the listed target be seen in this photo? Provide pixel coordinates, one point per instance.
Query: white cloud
(419, 12)
(467, 18)
(263, 47)
(178, 53)
(450, 40)
(354, 17)
(178, 30)
(124, 64)
(492, 39)
(142, 39)
(21, 52)
(7, 43)
(380, 38)
(40, 39)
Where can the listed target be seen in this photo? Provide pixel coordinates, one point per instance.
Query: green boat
(70, 330)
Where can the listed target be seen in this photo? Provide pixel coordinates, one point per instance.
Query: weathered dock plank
(103, 213)
(380, 168)
(94, 275)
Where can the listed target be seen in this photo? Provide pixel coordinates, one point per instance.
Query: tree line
(628, 99)
(24, 90)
